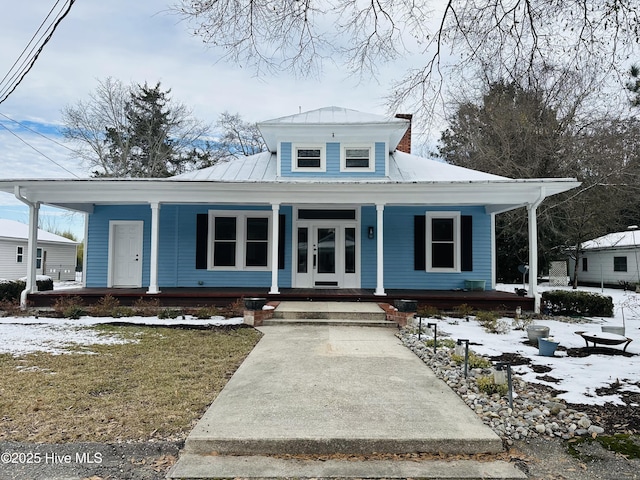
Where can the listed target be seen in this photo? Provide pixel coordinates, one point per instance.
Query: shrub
(10, 290)
(488, 385)
(69, 307)
(169, 313)
(205, 313)
(462, 311)
(107, 306)
(491, 323)
(575, 302)
(146, 308)
(428, 311)
(442, 342)
(475, 361)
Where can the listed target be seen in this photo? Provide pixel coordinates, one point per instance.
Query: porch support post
(533, 250)
(380, 250)
(494, 257)
(155, 241)
(32, 247)
(275, 239)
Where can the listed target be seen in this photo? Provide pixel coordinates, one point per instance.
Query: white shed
(611, 259)
(56, 256)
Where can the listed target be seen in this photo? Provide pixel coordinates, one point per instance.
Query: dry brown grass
(155, 388)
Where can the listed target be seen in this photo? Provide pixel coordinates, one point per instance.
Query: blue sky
(137, 42)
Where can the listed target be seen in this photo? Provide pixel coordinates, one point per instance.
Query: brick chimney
(405, 143)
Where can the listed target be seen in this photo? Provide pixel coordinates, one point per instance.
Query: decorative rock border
(535, 413)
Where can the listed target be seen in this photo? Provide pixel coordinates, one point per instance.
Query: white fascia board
(506, 194)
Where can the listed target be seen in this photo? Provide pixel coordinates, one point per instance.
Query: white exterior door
(326, 255)
(125, 251)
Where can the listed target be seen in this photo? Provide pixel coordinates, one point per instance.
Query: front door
(326, 251)
(326, 256)
(125, 254)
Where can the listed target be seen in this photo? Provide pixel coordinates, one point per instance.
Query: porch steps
(362, 314)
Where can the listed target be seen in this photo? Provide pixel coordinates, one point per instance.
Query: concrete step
(192, 467)
(329, 310)
(331, 322)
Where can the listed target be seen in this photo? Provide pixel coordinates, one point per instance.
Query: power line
(27, 46)
(34, 148)
(11, 87)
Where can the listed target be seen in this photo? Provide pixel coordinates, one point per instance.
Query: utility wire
(37, 53)
(27, 127)
(34, 148)
(27, 46)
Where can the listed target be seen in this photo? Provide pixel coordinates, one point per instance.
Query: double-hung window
(357, 158)
(309, 158)
(443, 241)
(20, 254)
(619, 264)
(239, 240)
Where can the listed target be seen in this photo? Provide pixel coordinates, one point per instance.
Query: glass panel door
(326, 250)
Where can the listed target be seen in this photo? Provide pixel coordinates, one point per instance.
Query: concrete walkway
(331, 389)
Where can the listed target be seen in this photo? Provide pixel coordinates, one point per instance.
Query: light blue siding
(333, 151)
(97, 250)
(399, 250)
(177, 248)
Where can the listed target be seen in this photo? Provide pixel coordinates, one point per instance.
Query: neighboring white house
(56, 255)
(611, 259)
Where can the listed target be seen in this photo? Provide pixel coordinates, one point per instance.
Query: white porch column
(275, 239)
(533, 250)
(380, 250)
(494, 261)
(155, 241)
(32, 248)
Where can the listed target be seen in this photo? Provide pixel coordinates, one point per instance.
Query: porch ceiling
(498, 195)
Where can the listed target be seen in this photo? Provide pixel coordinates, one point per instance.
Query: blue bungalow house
(335, 202)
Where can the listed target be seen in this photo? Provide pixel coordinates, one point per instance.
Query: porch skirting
(196, 297)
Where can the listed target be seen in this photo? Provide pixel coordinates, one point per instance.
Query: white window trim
(304, 146)
(241, 240)
(372, 157)
(19, 254)
(456, 241)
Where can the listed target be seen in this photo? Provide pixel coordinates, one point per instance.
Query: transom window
(308, 157)
(443, 241)
(239, 240)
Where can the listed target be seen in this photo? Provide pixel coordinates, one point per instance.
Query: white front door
(125, 253)
(326, 255)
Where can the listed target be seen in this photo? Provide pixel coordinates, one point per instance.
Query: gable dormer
(333, 142)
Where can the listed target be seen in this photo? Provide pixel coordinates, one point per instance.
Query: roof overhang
(81, 195)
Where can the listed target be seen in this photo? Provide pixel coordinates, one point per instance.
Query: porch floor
(205, 296)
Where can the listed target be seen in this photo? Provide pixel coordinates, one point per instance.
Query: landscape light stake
(435, 335)
(419, 318)
(466, 354)
(507, 365)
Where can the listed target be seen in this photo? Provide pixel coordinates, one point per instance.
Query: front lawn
(156, 386)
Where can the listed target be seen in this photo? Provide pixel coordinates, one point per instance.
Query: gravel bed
(535, 413)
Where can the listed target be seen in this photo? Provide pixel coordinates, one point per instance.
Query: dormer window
(309, 158)
(357, 158)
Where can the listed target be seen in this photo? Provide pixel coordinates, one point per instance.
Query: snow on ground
(579, 378)
(23, 335)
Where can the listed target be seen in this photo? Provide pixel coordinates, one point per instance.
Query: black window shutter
(466, 248)
(282, 229)
(202, 238)
(419, 243)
